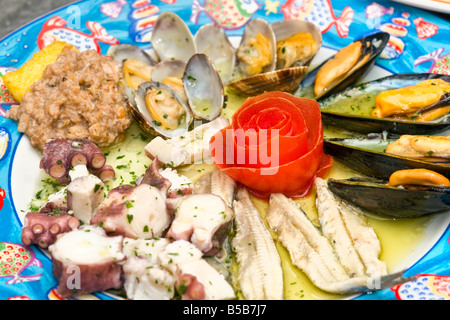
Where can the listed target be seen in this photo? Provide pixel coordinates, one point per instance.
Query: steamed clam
(408, 193)
(344, 68)
(274, 57)
(257, 51)
(212, 40)
(364, 108)
(166, 96)
(297, 41)
(179, 93)
(159, 110)
(170, 73)
(204, 88)
(137, 65)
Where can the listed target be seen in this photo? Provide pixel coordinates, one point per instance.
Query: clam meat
(137, 65)
(275, 57)
(257, 51)
(159, 110)
(172, 92)
(298, 41)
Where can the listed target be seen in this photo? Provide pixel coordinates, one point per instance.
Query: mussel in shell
(425, 101)
(395, 201)
(352, 109)
(344, 68)
(368, 156)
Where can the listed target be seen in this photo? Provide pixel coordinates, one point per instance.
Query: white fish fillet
(217, 183)
(355, 241)
(334, 228)
(309, 249)
(260, 273)
(316, 254)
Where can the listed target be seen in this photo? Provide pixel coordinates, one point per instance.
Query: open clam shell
(367, 156)
(168, 68)
(171, 39)
(203, 87)
(257, 50)
(153, 125)
(351, 108)
(123, 51)
(378, 198)
(211, 40)
(371, 47)
(276, 75)
(300, 50)
(286, 80)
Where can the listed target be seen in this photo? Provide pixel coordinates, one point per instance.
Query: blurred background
(16, 13)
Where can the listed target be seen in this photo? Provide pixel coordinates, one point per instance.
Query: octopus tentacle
(61, 155)
(42, 228)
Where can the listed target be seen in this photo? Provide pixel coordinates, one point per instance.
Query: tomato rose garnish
(273, 145)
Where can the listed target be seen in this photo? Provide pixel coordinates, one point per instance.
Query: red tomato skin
(293, 177)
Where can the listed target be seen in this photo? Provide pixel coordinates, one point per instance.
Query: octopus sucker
(260, 274)
(60, 156)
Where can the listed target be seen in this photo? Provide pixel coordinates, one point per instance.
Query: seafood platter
(190, 160)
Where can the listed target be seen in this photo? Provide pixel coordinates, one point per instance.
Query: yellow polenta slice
(19, 81)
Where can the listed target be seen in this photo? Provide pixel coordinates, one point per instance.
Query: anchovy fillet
(342, 256)
(355, 241)
(308, 248)
(260, 274)
(217, 183)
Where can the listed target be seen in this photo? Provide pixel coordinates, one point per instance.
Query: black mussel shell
(306, 86)
(388, 201)
(376, 163)
(357, 122)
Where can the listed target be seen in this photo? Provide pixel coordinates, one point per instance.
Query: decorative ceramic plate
(418, 43)
(441, 6)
